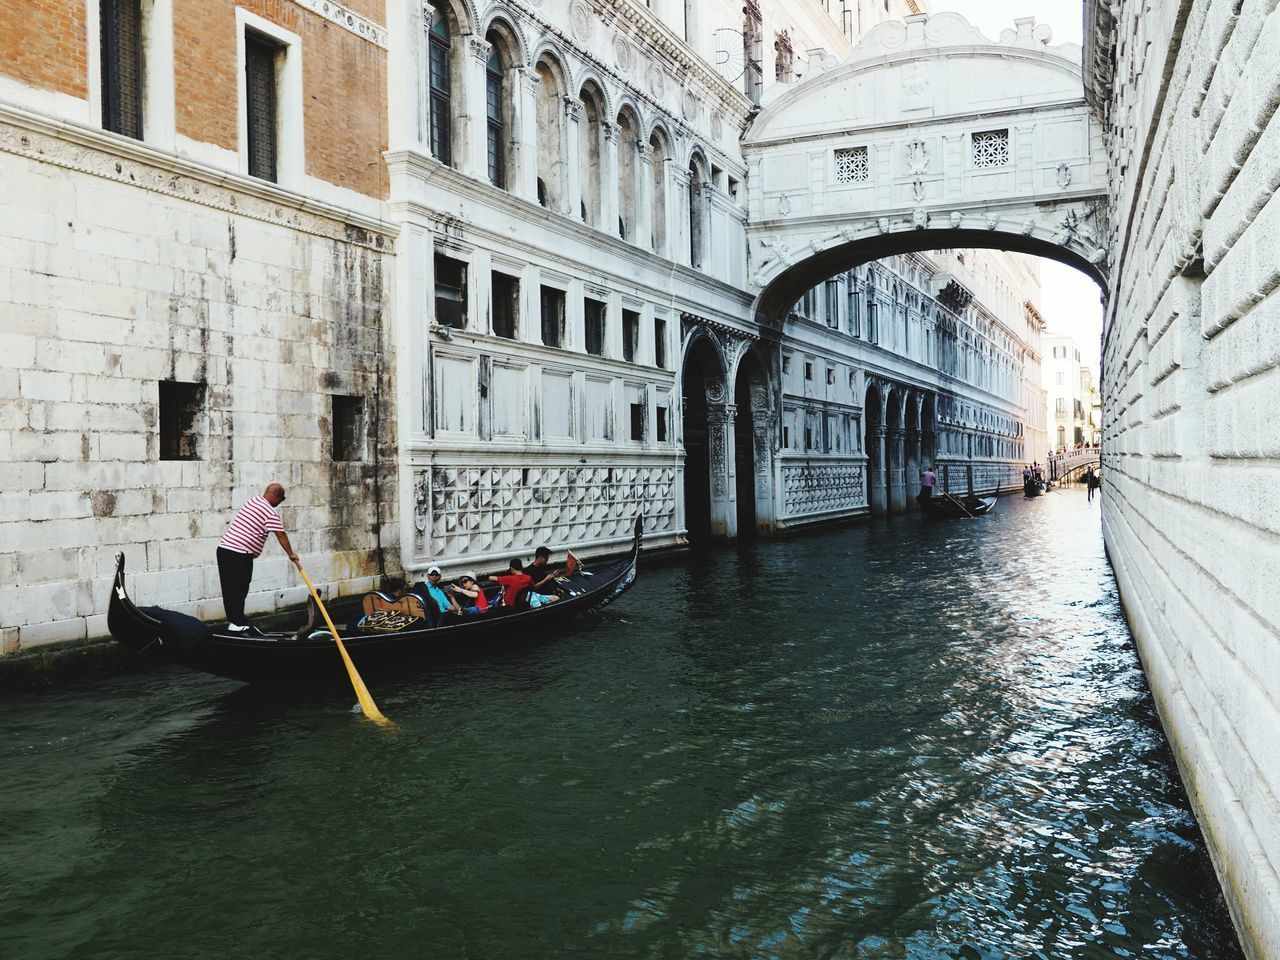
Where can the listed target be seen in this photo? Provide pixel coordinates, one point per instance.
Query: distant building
(1069, 393)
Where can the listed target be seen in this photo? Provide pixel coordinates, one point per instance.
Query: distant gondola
(950, 507)
(1032, 487)
(309, 657)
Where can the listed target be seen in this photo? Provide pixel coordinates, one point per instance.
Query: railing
(1063, 465)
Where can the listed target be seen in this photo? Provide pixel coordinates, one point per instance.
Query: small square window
(991, 148)
(451, 292)
(347, 425)
(594, 312)
(181, 411)
(659, 342)
(808, 370)
(660, 425)
(637, 422)
(505, 305)
(630, 335)
(552, 316)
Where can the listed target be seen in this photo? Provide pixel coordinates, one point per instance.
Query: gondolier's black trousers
(235, 571)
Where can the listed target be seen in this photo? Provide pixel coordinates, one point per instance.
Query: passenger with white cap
(437, 593)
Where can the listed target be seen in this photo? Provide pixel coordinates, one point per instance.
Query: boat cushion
(180, 629)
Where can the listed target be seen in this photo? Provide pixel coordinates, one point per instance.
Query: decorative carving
(572, 109)
(624, 55)
(480, 48)
(717, 126)
(1064, 176)
(883, 224)
(580, 21)
(993, 221)
(920, 219)
(657, 81)
(784, 205)
(1028, 227)
(917, 189)
(917, 158)
(956, 219)
(352, 22)
(688, 104)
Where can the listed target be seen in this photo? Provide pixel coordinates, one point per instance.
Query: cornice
(136, 164)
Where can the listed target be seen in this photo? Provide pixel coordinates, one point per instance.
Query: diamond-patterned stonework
(810, 489)
(478, 511)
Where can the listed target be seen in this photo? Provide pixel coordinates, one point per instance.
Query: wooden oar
(959, 503)
(362, 692)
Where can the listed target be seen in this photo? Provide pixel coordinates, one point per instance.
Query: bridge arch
(930, 136)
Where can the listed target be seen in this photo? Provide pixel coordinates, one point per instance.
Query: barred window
(260, 102)
(121, 27)
(496, 114)
(852, 165)
(991, 148)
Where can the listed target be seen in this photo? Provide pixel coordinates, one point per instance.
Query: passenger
(1026, 474)
(543, 574)
(513, 582)
(469, 588)
(436, 592)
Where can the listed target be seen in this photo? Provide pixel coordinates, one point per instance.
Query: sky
(1070, 301)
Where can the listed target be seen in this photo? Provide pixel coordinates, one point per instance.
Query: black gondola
(309, 657)
(1032, 487)
(950, 507)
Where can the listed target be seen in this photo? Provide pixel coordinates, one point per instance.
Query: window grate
(122, 67)
(852, 165)
(260, 102)
(991, 148)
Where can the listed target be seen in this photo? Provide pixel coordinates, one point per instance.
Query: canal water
(904, 739)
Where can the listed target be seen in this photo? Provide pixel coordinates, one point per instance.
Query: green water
(896, 740)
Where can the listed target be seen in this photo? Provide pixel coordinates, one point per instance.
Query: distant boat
(1032, 487)
(308, 657)
(950, 507)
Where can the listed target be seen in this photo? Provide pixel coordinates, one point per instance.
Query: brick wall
(114, 276)
(1191, 382)
(43, 43)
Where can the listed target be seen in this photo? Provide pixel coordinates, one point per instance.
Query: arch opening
(752, 447)
(702, 386)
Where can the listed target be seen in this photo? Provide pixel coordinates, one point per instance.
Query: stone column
(573, 154)
(878, 474)
(720, 439)
(765, 430)
(917, 468)
(475, 128)
(897, 470)
(609, 199)
(644, 196)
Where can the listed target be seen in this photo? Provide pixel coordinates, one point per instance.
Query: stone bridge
(1074, 462)
(931, 136)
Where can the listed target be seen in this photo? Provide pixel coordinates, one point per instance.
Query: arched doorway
(873, 418)
(702, 385)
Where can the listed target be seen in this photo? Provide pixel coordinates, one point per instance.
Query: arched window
(697, 214)
(628, 175)
(441, 82)
(590, 132)
(496, 115)
(658, 164)
(551, 146)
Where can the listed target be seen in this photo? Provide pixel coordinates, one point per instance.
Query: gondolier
(242, 542)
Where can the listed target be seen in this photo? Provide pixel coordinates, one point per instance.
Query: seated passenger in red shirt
(476, 603)
(513, 582)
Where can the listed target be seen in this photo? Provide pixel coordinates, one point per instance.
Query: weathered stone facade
(1191, 375)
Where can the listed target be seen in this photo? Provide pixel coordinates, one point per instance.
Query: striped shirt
(248, 531)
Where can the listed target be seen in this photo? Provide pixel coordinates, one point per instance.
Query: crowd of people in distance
(466, 597)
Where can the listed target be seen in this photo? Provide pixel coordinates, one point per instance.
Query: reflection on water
(897, 740)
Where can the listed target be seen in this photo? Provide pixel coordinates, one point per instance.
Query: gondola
(1032, 488)
(951, 507)
(308, 657)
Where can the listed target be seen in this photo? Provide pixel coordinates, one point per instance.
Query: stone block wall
(1191, 377)
(120, 269)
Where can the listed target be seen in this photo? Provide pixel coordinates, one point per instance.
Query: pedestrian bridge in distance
(1074, 462)
(931, 136)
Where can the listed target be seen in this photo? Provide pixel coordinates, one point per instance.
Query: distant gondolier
(242, 542)
(927, 481)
